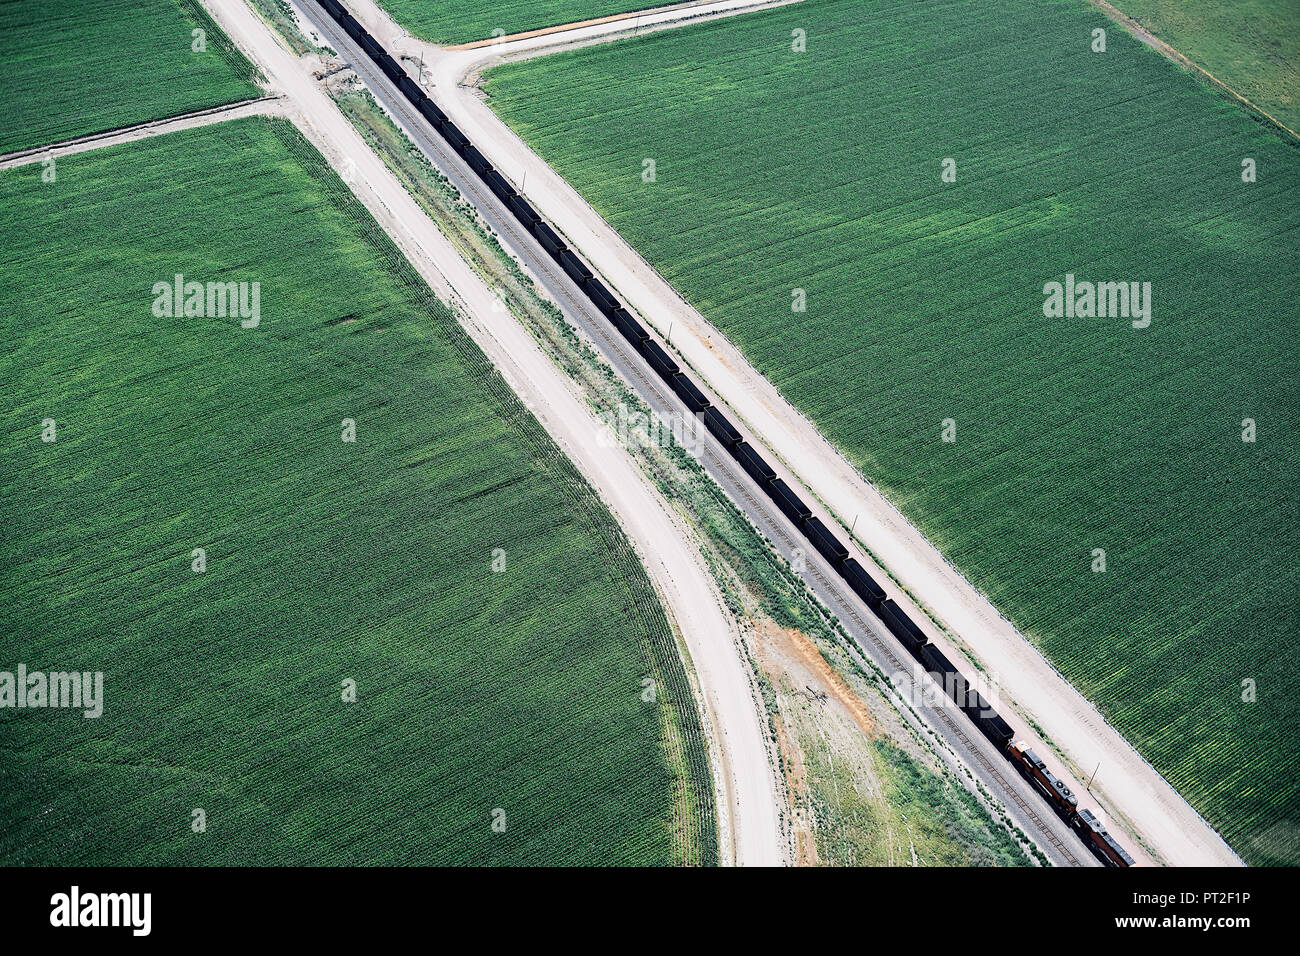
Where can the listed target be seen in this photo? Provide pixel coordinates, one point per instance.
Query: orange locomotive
(1066, 804)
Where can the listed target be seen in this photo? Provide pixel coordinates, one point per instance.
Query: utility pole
(670, 333)
(1093, 777)
(854, 525)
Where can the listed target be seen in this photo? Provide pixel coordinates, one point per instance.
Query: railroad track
(578, 308)
(859, 628)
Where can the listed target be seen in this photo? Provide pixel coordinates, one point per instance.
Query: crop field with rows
(450, 562)
(61, 80)
(472, 20)
(778, 171)
(1252, 45)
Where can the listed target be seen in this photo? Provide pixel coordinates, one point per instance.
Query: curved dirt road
(748, 803)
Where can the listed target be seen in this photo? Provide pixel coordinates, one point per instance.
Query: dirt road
(634, 16)
(641, 21)
(265, 106)
(1131, 795)
(749, 807)
(395, 39)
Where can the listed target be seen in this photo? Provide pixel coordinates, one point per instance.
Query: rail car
(659, 360)
(826, 543)
(452, 134)
(990, 723)
(790, 504)
(896, 621)
(476, 160)
(374, 51)
(721, 427)
(945, 674)
(523, 211)
(548, 238)
(901, 626)
(969, 700)
(571, 264)
(429, 110)
(630, 327)
(603, 298)
(863, 584)
(497, 183)
(393, 70)
(409, 88)
(753, 463)
(690, 394)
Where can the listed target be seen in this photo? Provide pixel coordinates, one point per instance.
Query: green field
(778, 170)
(1252, 45)
(71, 68)
(873, 799)
(470, 20)
(477, 689)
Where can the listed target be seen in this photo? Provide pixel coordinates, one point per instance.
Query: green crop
(1251, 45)
(450, 561)
(71, 68)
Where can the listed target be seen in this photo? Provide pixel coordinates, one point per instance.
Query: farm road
(264, 106)
(749, 807)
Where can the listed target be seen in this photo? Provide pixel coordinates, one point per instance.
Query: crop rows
(1251, 45)
(326, 560)
(778, 170)
(72, 67)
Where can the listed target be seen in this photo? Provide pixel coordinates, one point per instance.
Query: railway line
(1021, 801)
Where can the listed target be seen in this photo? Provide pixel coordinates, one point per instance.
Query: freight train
(895, 619)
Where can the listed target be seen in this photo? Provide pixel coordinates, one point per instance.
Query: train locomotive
(1100, 841)
(1034, 769)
